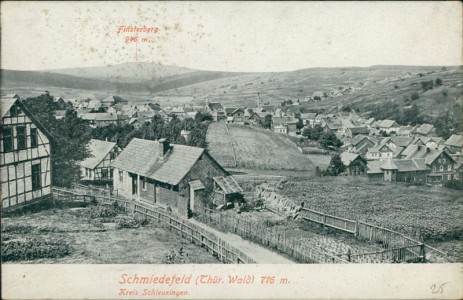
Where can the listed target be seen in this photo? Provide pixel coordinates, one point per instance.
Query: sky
(231, 36)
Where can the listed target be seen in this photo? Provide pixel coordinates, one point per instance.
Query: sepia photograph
(147, 144)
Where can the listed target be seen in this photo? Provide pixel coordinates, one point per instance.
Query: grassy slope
(255, 149)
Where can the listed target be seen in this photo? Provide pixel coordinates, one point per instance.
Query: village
(187, 183)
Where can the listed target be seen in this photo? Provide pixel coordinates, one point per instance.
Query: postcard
(231, 150)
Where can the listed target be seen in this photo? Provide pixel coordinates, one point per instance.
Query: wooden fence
(223, 250)
(390, 240)
(267, 236)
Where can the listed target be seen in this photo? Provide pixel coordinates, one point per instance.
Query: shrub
(127, 222)
(454, 185)
(32, 249)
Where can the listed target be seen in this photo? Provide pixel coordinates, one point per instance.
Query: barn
(24, 156)
(181, 178)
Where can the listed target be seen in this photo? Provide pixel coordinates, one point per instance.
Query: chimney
(164, 146)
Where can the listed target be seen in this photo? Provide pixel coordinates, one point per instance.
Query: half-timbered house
(25, 156)
(97, 167)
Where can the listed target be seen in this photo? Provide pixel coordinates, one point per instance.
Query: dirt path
(257, 252)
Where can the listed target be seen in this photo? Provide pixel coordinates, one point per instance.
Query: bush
(415, 96)
(454, 185)
(32, 249)
(127, 222)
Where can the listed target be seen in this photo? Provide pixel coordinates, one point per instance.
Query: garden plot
(94, 234)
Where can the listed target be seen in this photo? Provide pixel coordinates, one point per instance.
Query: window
(441, 168)
(21, 133)
(104, 173)
(111, 171)
(14, 111)
(86, 172)
(7, 139)
(449, 168)
(143, 182)
(34, 140)
(36, 177)
(449, 177)
(121, 177)
(113, 155)
(434, 168)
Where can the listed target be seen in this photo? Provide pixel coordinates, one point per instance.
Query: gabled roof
(374, 167)
(369, 121)
(268, 108)
(7, 103)
(228, 184)
(454, 141)
(401, 141)
(347, 158)
(358, 138)
(98, 151)
(230, 110)
(143, 157)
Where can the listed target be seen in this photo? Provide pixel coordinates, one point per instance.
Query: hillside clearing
(255, 149)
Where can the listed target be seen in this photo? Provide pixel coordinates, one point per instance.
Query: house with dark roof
(360, 144)
(216, 110)
(176, 177)
(355, 164)
(235, 115)
(98, 165)
(405, 130)
(24, 155)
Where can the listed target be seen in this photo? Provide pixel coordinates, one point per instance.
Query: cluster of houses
(177, 177)
(406, 153)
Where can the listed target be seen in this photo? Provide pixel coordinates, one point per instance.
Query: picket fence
(399, 247)
(224, 251)
(267, 236)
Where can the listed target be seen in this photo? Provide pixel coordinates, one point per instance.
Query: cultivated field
(432, 213)
(254, 149)
(93, 234)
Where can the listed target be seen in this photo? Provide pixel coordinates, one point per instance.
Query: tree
(313, 133)
(329, 139)
(266, 122)
(427, 85)
(70, 137)
(299, 124)
(438, 82)
(201, 117)
(336, 166)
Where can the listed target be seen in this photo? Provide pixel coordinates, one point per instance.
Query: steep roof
(308, 116)
(454, 141)
(7, 103)
(98, 151)
(374, 167)
(405, 130)
(143, 157)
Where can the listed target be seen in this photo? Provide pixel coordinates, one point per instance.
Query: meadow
(430, 213)
(255, 149)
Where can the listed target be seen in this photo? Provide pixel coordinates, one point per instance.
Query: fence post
(356, 227)
(423, 253)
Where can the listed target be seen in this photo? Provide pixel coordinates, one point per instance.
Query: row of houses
(176, 177)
